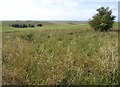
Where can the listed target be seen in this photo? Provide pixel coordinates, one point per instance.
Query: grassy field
(46, 25)
(59, 53)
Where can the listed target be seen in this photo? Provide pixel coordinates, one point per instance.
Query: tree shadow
(114, 31)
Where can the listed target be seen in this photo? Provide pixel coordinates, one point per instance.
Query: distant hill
(44, 23)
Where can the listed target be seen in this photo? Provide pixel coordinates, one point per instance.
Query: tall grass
(60, 57)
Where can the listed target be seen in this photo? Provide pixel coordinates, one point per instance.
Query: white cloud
(45, 10)
(25, 9)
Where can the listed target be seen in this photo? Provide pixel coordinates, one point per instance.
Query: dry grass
(67, 56)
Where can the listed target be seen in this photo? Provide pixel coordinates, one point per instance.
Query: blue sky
(53, 9)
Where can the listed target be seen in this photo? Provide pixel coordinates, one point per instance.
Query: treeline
(25, 25)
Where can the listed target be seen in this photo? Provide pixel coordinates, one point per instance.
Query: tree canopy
(103, 20)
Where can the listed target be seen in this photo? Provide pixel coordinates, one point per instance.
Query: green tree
(103, 20)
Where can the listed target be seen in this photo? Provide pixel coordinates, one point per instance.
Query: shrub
(15, 25)
(22, 25)
(103, 20)
(29, 25)
(32, 26)
(39, 25)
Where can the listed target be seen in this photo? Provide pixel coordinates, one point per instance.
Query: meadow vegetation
(65, 53)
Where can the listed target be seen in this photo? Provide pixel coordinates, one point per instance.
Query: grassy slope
(46, 25)
(60, 56)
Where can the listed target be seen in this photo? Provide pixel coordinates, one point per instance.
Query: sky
(75, 10)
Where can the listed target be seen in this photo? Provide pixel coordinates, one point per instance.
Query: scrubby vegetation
(25, 25)
(39, 25)
(21, 25)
